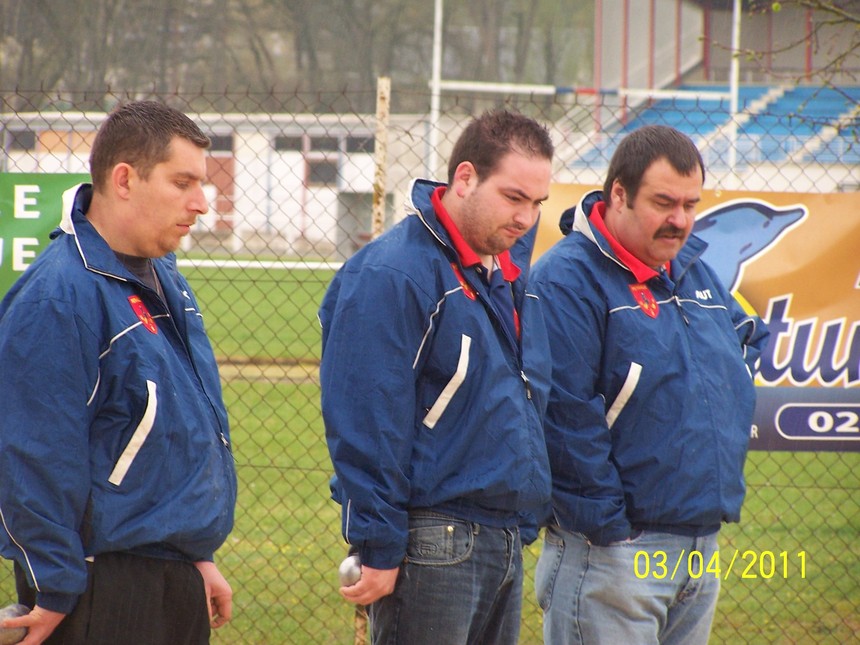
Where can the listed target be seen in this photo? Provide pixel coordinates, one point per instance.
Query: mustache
(670, 231)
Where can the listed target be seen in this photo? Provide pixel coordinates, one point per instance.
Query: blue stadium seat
(772, 135)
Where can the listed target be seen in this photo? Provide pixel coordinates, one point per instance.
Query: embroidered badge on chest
(645, 299)
(467, 290)
(142, 314)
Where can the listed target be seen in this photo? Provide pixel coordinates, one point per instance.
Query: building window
(325, 144)
(221, 143)
(322, 173)
(284, 143)
(21, 139)
(360, 144)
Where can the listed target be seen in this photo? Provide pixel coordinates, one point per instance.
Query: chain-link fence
(291, 189)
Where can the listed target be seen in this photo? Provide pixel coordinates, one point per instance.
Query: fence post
(383, 107)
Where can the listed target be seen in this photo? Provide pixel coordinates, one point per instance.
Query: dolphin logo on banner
(739, 231)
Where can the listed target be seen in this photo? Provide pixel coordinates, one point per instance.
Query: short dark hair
(494, 134)
(642, 147)
(139, 134)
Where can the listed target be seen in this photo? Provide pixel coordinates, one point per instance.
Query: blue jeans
(461, 584)
(628, 592)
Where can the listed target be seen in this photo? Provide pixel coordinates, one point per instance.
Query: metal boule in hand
(350, 570)
(12, 635)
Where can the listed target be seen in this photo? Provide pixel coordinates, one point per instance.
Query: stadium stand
(803, 124)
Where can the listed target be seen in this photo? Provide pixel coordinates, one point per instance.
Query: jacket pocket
(452, 386)
(624, 394)
(138, 438)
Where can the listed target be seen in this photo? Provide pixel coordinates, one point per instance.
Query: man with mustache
(650, 408)
(434, 375)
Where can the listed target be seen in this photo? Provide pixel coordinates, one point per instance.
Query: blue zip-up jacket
(113, 432)
(652, 398)
(428, 403)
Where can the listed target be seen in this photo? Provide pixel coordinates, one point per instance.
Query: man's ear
(122, 177)
(465, 178)
(618, 195)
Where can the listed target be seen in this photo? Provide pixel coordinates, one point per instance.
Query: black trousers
(132, 600)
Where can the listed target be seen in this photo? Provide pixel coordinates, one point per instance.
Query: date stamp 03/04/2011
(747, 564)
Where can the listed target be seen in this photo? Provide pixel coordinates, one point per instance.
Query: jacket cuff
(381, 558)
(59, 602)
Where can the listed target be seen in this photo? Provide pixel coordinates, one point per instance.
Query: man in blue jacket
(117, 481)
(434, 377)
(650, 409)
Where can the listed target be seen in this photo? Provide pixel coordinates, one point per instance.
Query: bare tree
(88, 51)
(833, 34)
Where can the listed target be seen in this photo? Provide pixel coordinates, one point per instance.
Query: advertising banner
(30, 208)
(795, 260)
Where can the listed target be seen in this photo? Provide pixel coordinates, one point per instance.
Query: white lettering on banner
(23, 200)
(22, 256)
(819, 421)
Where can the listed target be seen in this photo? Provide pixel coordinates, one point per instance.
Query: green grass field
(282, 556)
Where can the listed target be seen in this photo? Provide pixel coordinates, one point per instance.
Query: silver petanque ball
(11, 635)
(350, 571)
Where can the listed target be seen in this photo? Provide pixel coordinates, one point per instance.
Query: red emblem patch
(470, 293)
(142, 313)
(645, 299)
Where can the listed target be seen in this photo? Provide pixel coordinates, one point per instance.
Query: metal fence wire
(291, 183)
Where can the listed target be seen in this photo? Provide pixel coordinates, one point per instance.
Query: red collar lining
(642, 272)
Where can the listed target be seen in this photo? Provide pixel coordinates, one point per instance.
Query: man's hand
(40, 624)
(374, 584)
(219, 595)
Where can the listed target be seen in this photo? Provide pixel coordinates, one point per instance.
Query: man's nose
(199, 203)
(678, 217)
(527, 216)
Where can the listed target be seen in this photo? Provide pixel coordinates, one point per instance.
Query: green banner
(31, 206)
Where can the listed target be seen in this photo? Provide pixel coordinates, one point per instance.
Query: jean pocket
(553, 536)
(634, 540)
(439, 541)
(548, 565)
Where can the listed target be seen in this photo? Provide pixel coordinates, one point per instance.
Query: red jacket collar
(642, 272)
(468, 257)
